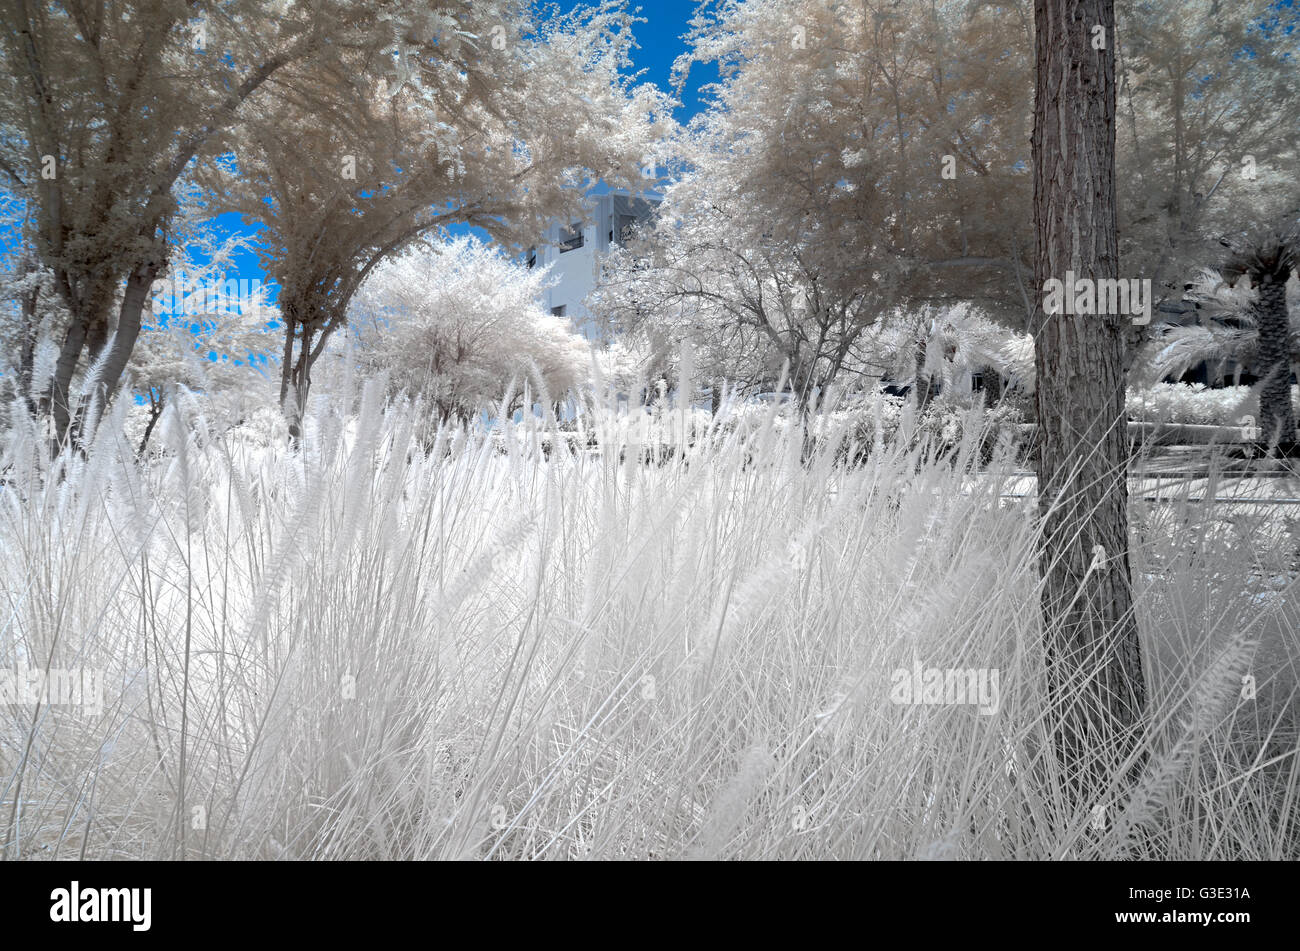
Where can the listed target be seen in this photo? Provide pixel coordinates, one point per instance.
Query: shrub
(1195, 403)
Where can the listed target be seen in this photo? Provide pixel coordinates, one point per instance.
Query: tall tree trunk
(1095, 680)
(1276, 415)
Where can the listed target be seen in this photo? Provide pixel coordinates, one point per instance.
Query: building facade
(575, 250)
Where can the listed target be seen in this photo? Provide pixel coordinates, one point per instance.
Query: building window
(625, 225)
(571, 239)
(532, 258)
(558, 311)
(621, 232)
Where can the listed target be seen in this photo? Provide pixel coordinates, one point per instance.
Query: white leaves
(1191, 403)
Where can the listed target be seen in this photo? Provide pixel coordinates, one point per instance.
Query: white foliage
(460, 324)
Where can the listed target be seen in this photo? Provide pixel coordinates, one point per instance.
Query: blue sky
(660, 42)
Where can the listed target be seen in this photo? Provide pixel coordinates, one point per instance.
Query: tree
(1267, 256)
(107, 107)
(963, 342)
(752, 306)
(887, 139)
(958, 342)
(856, 162)
(1207, 131)
(207, 333)
(901, 128)
(488, 116)
(1251, 321)
(1228, 330)
(1095, 680)
(460, 325)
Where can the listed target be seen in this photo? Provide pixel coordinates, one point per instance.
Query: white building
(575, 250)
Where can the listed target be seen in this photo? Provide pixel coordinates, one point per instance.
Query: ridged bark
(1095, 679)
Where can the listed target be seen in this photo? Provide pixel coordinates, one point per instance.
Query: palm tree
(1234, 329)
(946, 345)
(1267, 257)
(969, 342)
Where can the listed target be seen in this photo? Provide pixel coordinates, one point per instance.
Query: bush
(1195, 403)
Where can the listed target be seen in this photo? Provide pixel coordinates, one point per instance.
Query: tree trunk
(992, 387)
(299, 382)
(27, 345)
(1095, 682)
(155, 413)
(59, 397)
(295, 374)
(286, 356)
(1276, 415)
(88, 308)
(104, 386)
(96, 337)
(921, 380)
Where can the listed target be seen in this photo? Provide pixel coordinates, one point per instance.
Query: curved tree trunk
(1095, 680)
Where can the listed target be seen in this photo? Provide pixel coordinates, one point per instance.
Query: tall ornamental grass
(401, 641)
